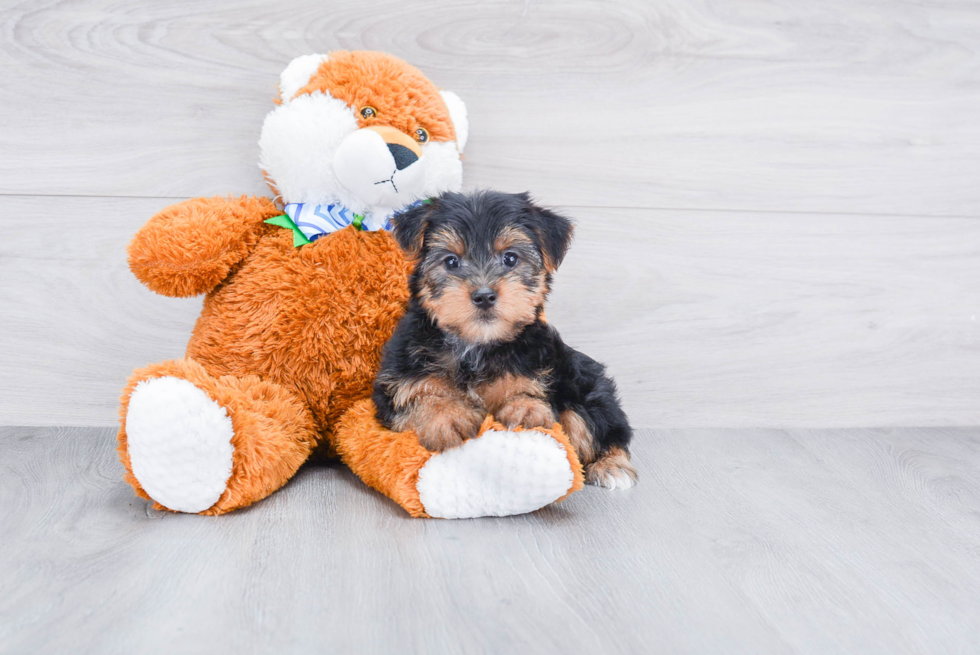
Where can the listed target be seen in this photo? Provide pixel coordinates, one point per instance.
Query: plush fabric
(281, 362)
(401, 95)
(500, 473)
(273, 432)
(312, 319)
(188, 248)
(386, 461)
(180, 443)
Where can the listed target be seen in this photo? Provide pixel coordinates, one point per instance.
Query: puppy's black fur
(473, 340)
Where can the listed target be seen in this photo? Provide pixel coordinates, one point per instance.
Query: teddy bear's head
(363, 130)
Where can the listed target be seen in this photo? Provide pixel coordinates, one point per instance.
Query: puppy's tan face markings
(511, 266)
(512, 238)
(447, 240)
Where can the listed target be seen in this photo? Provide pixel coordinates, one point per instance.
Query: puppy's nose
(403, 156)
(484, 298)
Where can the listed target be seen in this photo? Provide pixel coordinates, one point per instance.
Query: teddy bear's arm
(189, 248)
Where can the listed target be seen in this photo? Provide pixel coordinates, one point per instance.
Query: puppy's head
(484, 261)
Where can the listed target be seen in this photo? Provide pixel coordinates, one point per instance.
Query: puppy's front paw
(526, 412)
(612, 470)
(448, 426)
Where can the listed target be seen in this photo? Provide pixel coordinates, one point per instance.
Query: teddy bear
(302, 291)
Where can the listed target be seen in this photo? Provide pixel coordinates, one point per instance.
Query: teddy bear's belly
(313, 319)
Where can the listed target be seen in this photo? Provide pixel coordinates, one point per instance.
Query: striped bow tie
(310, 222)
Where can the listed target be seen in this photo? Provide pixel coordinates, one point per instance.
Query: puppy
(473, 340)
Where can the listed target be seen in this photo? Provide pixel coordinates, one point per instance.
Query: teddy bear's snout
(380, 165)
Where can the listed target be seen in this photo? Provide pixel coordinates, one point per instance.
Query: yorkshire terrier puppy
(473, 340)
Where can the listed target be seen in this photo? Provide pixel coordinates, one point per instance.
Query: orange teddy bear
(300, 298)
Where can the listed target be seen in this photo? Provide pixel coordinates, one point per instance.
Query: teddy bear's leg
(500, 473)
(195, 443)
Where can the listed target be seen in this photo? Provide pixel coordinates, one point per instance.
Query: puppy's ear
(408, 227)
(554, 232)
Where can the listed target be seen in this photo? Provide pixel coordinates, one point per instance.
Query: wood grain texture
(704, 318)
(862, 315)
(777, 207)
(777, 105)
(735, 541)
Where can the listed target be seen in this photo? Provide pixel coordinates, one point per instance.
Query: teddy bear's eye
(421, 135)
(368, 112)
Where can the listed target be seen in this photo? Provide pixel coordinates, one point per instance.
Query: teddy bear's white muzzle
(378, 174)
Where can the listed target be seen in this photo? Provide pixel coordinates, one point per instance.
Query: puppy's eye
(510, 260)
(368, 112)
(421, 135)
(452, 261)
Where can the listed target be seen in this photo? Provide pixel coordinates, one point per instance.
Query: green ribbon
(299, 239)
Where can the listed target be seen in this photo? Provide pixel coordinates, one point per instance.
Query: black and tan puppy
(473, 340)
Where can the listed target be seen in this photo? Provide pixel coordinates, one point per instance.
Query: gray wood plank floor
(736, 541)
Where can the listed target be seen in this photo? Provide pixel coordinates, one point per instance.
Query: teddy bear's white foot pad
(179, 442)
(501, 473)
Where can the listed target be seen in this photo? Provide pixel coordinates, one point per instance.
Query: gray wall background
(778, 224)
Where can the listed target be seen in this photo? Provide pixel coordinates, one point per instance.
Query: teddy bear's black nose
(402, 155)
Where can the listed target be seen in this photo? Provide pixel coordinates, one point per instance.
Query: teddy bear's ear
(298, 74)
(408, 227)
(554, 232)
(457, 112)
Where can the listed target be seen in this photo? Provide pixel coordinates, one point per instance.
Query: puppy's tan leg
(517, 401)
(578, 434)
(441, 415)
(612, 470)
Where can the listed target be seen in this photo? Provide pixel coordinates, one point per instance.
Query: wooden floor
(736, 541)
(778, 256)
